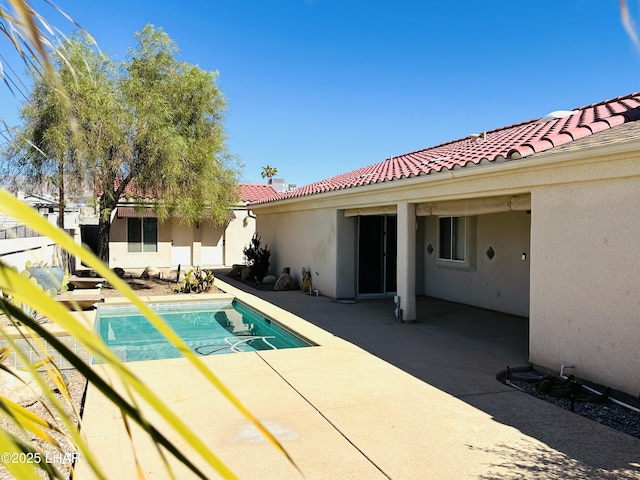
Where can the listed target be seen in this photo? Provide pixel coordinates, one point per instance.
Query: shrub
(257, 258)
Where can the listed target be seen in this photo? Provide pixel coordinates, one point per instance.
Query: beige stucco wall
(501, 283)
(584, 248)
(119, 257)
(199, 239)
(585, 282)
(310, 238)
(346, 238)
(237, 236)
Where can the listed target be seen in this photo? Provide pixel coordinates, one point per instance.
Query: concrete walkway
(459, 349)
(375, 399)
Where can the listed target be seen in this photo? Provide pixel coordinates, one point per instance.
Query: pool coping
(307, 330)
(98, 425)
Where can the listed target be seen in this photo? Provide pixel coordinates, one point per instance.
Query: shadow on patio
(459, 349)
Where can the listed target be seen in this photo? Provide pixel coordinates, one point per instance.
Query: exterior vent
(555, 115)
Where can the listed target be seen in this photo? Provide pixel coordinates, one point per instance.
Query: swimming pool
(212, 327)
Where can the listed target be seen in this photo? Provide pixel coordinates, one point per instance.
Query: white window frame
(467, 262)
(456, 239)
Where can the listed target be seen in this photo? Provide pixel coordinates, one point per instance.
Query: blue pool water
(207, 327)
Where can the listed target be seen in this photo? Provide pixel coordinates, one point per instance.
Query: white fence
(16, 252)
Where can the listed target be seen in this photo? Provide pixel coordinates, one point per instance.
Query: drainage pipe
(508, 381)
(594, 391)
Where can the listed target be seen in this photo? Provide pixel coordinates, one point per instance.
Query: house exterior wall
(211, 245)
(585, 290)
(120, 257)
(237, 235)
(201, 244)
(183, 244)
(346, 237)
(501, 283)
(304, 239)
(584, 248)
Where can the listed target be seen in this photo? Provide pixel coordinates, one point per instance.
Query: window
(142, 234)
(452, 238)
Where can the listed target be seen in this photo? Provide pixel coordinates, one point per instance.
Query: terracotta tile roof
(512, 142)
(248, 193)
(629, 132)
(255, 192)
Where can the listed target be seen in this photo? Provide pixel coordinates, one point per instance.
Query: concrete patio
(375, 399)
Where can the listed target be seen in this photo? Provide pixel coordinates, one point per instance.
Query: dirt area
(61, 458)
(147, 286)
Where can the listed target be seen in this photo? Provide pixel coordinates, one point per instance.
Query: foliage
(32, 37)
(50, 280)
(132, 401)
(196, 280)
(148, 127)
(257, 258)
(53, 280)
(269, 172)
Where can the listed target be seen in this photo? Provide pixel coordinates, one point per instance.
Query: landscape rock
(285, 282)
(269, 280)
(151, 272)
(244, 274)
(236, 271)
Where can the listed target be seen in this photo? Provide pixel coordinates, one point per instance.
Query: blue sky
(316, 88)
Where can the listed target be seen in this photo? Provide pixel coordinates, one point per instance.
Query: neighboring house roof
(254, 192)
(512, 142)
(248, 193)
(40, 201)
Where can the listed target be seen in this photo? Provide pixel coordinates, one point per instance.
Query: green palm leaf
(23, 291)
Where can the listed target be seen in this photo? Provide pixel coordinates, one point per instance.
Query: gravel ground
(142, 286)
(608, 413)
(147, 287)
(61, 458)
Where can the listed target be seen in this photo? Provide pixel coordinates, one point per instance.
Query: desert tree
(150, 126)
(24, 433)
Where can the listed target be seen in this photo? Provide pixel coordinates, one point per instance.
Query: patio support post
(406, 260)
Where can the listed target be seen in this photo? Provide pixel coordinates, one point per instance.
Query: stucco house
(537, 219)
(137, 240)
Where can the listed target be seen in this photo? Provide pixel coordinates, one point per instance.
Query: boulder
(236, 271)
(245, 273)
(285, 282)
(269, 279)
(150, 272)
